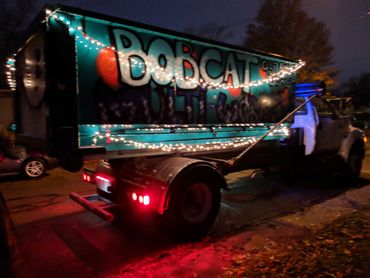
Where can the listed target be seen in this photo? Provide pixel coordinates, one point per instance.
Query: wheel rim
(34, 168)
(197, 202)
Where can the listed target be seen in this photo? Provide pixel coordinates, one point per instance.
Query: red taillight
(106, 179)
(143, 199)
(87, 177)
(134, 196)
(146, 200)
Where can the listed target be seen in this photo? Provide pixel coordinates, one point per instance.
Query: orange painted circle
(107, 67)
(235, 92)
(263, 74)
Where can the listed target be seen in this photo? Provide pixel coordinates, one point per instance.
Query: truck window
(343, 105)
(298, 101)
(323, 108)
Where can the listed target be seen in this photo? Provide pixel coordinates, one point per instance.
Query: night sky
(348, 21)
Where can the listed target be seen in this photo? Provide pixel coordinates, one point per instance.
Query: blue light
(308, 89)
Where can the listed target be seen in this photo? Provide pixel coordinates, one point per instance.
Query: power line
(238, 22)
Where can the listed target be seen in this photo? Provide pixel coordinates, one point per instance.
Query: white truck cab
(325, 129)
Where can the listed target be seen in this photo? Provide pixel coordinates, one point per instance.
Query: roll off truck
(167, 114)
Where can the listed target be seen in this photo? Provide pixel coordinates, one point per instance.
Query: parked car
(361, 120)
(28, 164)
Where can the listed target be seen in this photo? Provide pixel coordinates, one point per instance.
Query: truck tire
(33, 168)
(193, 206)
(354, 161)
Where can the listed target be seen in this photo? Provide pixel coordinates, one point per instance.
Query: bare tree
(358, 88)
(284, 27)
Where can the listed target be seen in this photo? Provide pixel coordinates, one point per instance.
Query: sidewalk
(323, 248)
(330, 239)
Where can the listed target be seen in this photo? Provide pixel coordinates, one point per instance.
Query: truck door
(331, 129)
(306, 119)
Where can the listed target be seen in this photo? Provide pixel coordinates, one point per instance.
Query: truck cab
(326, 129)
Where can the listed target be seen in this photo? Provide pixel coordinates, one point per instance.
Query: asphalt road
(58, 238)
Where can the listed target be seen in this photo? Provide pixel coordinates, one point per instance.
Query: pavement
(335, 244)
(56, 237)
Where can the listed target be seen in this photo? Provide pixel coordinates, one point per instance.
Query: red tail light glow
(86, 177)
(146, 200)
(98, 177)
(143, 199)
(134, 196)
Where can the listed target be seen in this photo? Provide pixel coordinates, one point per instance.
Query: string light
(173, 127)
(87, 41)
(178, 147)
(110, 134)
(159, 71)
(10, 73)
(203, 144)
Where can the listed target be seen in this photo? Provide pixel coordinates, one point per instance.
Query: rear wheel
(354, 162)
(193, 207)
(34, 168)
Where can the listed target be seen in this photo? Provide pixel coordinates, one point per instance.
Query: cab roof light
(310, 88)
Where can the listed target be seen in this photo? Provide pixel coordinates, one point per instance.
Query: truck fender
(355, 137)
(171, 170)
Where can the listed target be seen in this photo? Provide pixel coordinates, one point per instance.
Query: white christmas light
(235, 142)
(160, 73)
(107, 136)
(10, 73)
